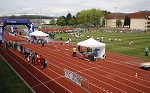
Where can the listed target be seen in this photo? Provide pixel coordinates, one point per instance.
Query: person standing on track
(36, 58)
(41, 61)
(5, 47)
(42, 41)
(33, 57)
(28, 59)
(21, 49)
(74, 51)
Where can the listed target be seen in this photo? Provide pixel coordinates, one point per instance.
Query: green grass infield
(9, 81)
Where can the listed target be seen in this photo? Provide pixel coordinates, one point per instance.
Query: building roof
(136, 15)
(140, 14)
(115, 15)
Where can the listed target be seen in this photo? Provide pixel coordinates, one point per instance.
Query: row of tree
(90, 17)
(126, 22)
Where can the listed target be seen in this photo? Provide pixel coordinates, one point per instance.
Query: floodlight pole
(40, 15)
(115, 16)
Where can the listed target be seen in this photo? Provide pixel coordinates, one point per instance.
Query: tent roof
(38, 33)
(91, 43)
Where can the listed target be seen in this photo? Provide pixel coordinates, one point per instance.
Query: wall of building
(109, 22)
(148, 23)
(138, 24)
(112, 22)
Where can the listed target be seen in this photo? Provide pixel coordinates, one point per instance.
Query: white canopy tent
(96, 46)
(38, 33)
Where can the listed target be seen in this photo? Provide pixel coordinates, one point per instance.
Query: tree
(127, 20)
(90, 17)
(75, 19)
(61, 21)
(71, 22)
(68, 17)
(52, 22)
(103, 22)
(118, 23)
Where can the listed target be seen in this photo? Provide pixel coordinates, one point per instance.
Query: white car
(145, 66)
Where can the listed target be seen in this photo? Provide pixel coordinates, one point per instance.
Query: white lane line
(109, 61)
(69, 67)
(85, 74)
(130, 86)
(127, 66)
(45, 82)
(46, 75)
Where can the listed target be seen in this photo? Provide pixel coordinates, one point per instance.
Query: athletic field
(140, 41)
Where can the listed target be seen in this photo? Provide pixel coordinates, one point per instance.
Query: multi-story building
(138, 20)
(111, 19)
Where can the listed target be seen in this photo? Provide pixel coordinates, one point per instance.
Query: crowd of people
(30, 55)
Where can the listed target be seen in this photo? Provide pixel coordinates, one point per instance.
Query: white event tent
(96, 46)
(38, 33)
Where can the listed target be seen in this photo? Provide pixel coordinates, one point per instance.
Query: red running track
(115, 74)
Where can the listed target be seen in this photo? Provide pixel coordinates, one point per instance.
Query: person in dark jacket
(21, 49)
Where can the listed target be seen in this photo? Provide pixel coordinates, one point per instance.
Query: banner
(73, 77)
(1, 33)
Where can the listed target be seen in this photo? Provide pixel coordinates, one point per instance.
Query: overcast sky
(62, 7)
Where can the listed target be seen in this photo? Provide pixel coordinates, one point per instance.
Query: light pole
(115, 16)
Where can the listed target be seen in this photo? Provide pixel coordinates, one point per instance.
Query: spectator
(28, 59)
(21, 49)
(24, 49)
(61, 38)
(146, 51)
(33, 57)
(27, 52)
(16, 45)
(37, 58)
(5, 47)
(42, 41)
(41, 61)
(45, 63)
(69, 39)
(79, 49)
(129, 42)
(10, 44)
